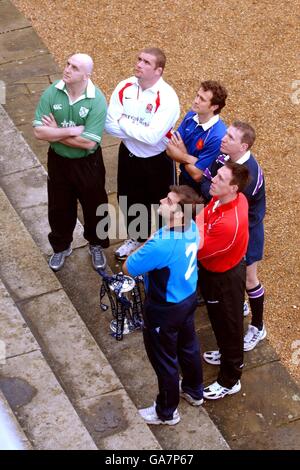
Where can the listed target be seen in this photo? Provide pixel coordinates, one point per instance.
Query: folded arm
(69, 136)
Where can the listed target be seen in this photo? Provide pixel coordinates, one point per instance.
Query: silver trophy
(125, 296)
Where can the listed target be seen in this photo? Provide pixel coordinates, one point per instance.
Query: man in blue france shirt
(196, 144)
(169, 261)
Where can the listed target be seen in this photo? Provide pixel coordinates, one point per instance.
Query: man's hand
(49, 121)
(178, 142)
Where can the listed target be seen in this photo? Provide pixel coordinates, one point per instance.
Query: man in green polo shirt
(71, 116)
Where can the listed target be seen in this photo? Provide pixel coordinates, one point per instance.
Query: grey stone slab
(20, 44)
(42, 81)
(41, 406)
(22, 267)
(26, 188)
(37, 88)
(110, 157)
(21, 108)
(269, 398)
(14, 437)
(15, 154)
(22, 70)
(14, 332)
(16, 89)
(68, 345)
(114, 423)
(195, 431)
(11, 18)
(35, 220)
(284, 437)
(38, 147)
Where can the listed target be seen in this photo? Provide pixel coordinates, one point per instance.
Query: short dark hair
(248, 133)
(160, 56)
(187, 196)
(219, 93)
(240, 175)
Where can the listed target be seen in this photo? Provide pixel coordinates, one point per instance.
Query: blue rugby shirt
(169, 262)
(201, 140)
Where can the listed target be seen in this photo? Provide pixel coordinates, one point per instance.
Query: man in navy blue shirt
(168, 260)
(236, 145)
(196, 144)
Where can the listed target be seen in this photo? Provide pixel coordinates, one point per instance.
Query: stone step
(36, 398)
(78, 364)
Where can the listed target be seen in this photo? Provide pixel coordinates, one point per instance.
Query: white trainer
(253, 337)
(212, 357)
(216, 391)
(150, 416)
(127, 248)
(192, 401)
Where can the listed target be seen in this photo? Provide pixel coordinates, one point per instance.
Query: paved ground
(265, 415)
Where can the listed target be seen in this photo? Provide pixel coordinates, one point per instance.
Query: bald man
(71, 116)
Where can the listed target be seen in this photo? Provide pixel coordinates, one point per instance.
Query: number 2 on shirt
(192, 252)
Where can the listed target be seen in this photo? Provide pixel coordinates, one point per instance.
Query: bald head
(84, 61)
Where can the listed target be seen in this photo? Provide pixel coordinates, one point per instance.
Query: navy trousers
(171, 342)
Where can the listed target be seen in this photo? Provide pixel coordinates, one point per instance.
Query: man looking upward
(71, 116)
(197, 142)
(142, 111)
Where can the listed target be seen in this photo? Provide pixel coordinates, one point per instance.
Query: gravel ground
(249, 45)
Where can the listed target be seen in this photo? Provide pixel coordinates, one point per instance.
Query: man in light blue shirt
(168, 261)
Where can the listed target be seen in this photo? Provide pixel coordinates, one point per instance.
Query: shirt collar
(244, 158)
(154, 88)
(90, 91)
(224, 207)
(206, 125)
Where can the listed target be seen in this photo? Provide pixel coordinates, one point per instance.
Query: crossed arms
(69, 136)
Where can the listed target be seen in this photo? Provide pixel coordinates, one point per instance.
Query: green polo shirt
(89, 110)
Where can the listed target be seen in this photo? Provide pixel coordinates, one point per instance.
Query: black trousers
(170, 341)
(143, 181)
(71, 180)
(224, 295)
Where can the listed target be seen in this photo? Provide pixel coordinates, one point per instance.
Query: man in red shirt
(222, 273)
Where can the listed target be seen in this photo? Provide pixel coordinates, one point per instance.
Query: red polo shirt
(225, 233)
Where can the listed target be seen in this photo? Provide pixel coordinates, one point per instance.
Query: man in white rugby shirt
(142, 112)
